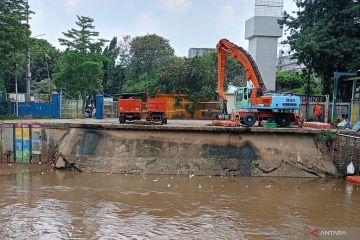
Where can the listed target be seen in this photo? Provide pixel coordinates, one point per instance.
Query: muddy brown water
(64, 205)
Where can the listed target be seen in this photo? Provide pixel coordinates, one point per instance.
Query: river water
(64, 205)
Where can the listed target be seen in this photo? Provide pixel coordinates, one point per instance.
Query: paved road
(109, 121)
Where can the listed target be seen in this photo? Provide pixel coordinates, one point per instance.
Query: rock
(60, 163)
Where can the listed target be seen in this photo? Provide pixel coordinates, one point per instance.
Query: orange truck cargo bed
(156, 105)
(353, 179)
(129, 105)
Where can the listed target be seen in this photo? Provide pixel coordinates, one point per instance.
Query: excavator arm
(252, 73)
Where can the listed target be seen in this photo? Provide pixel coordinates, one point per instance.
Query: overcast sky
(186, 23)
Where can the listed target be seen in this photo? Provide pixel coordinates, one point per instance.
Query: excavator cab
(242, 97)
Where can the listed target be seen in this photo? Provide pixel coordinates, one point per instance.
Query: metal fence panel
(7, 140)
(110, 108)
(71, 109)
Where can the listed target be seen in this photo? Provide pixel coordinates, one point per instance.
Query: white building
(288, 63)
(197, 52)
(263, 32)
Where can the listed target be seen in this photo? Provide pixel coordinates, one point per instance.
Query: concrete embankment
(198, 150)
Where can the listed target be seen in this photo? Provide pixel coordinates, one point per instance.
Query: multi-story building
(288, 63)
(197, 52)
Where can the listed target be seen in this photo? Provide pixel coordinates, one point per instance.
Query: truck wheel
(249, 120)
(122, 119)
(283, 121)
(164, 121)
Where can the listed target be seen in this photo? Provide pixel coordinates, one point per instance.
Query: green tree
(324, 35)
(44, 86)
(79, 74)
(197, 76)
(147, 54)
(2, 85)
(295, 82)
(14, 38)
(79, 70)
(43, 59)
(84, 39)
(114, 71)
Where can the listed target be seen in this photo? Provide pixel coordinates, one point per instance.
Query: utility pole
(308, 76)
(16, 91)
(28, 72)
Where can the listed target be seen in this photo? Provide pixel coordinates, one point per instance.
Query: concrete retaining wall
(261, 152)
(200, 151)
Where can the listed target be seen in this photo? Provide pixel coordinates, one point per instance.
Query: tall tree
(324, 35)
(110, 67)
(294, 82)
(147, 55)
(43, 59)
(84, 39)
(79, 71)
(14, 38)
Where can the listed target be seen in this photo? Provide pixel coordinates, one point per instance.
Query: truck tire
(122, 119)
(283, 121)
(164, 121)
(249, 120)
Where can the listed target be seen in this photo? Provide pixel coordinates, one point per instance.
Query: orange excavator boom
(252, 72)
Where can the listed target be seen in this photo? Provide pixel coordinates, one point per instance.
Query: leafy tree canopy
(43, 59)
(2, 86)
(83, 39)
(14, 38)
(80, 68)
(296, 82)
(324, 35)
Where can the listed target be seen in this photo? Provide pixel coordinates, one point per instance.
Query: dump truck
(129, 109)
(156, 110)
(133, 107)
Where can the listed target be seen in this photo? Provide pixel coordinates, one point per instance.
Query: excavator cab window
(242, 97)
(239, 94)
(246, 94)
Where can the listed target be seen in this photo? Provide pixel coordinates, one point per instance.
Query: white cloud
(228, 14)
(176, 5)
(71, 5)
(39, 14)
(146, 24)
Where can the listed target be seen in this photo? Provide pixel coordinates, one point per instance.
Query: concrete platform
(193, 147)
(173, 125)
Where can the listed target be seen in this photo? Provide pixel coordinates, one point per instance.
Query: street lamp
(28, 71)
